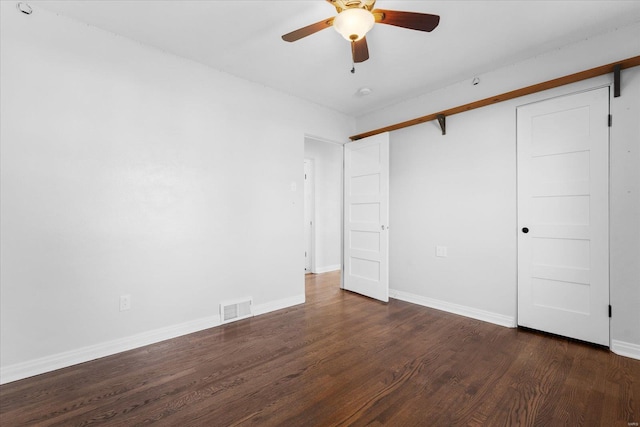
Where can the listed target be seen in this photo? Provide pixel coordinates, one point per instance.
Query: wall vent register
(232, 311)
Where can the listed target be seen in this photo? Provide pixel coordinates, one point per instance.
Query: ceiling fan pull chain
(353, 54)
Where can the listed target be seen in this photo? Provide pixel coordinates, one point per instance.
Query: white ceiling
(243, 38)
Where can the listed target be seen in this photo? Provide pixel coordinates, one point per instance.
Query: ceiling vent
(231, 311)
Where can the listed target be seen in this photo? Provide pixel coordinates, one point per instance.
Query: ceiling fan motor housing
(353, 24)
(341, 5)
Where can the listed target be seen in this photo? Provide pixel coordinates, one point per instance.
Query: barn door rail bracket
(442, 121)
(616, 80)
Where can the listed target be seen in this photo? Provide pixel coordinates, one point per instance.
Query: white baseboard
(327, 268)
(278, 305)
(30, 368)
(474, 313)
(626, 349)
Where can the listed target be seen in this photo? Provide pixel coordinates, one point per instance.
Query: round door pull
(525, 230)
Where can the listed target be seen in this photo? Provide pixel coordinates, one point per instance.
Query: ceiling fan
(356, 17)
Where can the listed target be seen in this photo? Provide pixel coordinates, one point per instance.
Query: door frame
(341, 197)
(309, 187)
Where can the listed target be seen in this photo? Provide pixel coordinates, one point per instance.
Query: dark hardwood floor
(340, 359)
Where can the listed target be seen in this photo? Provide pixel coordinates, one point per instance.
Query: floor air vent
(236, 310)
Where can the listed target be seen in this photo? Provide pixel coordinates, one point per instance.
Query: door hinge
(610, 120)
(610, 310)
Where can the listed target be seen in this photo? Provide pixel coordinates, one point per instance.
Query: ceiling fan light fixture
(353, 24)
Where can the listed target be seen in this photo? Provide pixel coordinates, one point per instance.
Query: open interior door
(366, 217)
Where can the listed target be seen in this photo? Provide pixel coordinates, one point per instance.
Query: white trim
(327, 269)
(474, 313)
(342, 214)
(41, 365)
(92, 352)
(311, 213)
(626, 349)
(278, 305)
(321, 139)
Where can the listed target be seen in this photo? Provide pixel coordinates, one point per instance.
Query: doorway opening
(323, 164)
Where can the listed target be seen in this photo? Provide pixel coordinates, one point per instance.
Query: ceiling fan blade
(360, 50)
(308, 30)
(411, 20)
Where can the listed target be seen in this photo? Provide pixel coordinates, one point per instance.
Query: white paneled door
(563, 216)
(366, 217)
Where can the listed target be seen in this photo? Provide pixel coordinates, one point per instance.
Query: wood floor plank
(340, 359)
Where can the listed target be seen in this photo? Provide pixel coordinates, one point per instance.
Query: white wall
(327, 180)
(624, 211)
(459, 190)
(456, 191)
(126, 170)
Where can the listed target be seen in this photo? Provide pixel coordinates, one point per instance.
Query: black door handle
(525, 230)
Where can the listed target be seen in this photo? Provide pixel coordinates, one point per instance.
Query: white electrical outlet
(125, 302)
(441, 251)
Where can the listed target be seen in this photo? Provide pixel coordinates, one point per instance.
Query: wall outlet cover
(125, 302)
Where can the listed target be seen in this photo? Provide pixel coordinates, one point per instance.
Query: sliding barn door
(366, 217)
(563, 216)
